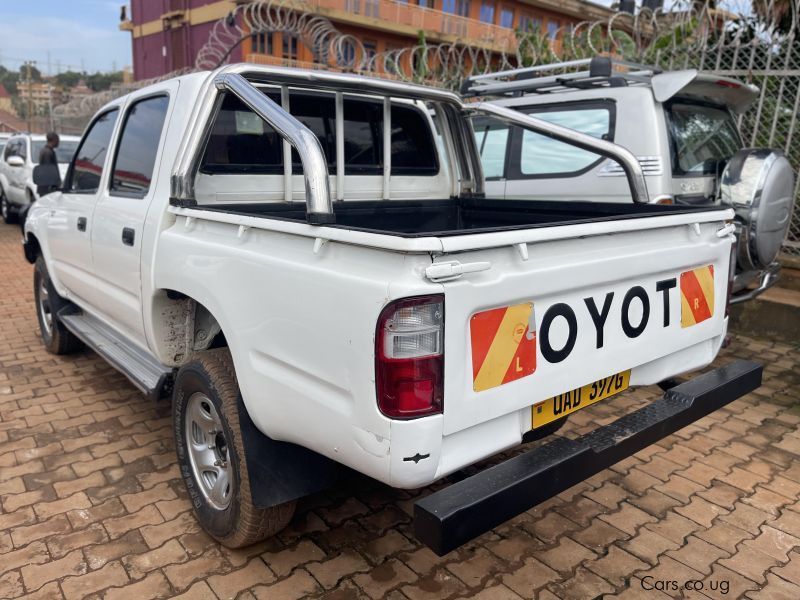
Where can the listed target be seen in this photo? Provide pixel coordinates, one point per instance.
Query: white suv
(20, 156)
(680, 125)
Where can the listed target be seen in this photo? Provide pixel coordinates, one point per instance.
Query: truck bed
(443, 218)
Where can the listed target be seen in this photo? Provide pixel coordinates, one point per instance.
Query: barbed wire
(687, 26)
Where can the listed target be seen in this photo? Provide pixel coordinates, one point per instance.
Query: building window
(530, 24)
(262, 42)
(426, 3)
(507, 18)
(487, 12)
(347, 54)
(370, 50)
(552, 29)
(456, 7)
(289, 46)
(373, 8)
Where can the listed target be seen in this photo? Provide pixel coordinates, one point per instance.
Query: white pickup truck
(388, 317)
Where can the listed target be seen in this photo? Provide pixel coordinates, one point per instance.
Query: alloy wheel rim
(45, 309)
(208, 451)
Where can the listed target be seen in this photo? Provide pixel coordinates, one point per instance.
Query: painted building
(40, 96)
(168, 34)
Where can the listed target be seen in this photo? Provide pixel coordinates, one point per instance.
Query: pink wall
(160, 53)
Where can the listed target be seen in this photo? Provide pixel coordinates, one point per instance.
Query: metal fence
(760, 48)
(758, 44)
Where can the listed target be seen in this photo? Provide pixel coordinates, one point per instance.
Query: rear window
(703, 137)
(64, 153)
(242, 142)
(491, 137)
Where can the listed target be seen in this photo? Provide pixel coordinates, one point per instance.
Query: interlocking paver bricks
(92, 503)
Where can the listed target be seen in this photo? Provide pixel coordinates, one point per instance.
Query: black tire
(209, 377)
(57, 338)
(7, 211)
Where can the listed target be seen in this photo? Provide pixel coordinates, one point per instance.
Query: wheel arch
(182, 325)
(31, 247)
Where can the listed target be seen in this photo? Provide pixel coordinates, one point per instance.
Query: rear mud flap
(281, 471)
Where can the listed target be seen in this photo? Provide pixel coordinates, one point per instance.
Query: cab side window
(138, 147)
(87, 168)
(536, 155)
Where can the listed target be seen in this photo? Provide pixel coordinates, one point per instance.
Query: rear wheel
(7, 211)
(211, 456)
(57, 338)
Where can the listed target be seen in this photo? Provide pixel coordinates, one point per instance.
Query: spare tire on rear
(758, 183)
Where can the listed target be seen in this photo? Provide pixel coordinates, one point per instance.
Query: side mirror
(15, 161)
(46, 175)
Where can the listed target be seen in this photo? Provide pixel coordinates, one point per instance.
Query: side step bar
(456, 514)
(145, 372)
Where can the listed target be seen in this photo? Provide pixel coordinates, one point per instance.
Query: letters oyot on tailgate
(504, 348)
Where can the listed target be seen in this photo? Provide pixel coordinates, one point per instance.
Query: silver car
(681, 127)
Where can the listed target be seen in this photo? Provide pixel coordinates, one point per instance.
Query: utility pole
(28, 64)
(50, 106)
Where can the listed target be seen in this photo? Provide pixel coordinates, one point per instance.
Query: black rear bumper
(458, 513)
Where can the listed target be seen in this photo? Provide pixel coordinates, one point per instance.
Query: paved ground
(92, 504)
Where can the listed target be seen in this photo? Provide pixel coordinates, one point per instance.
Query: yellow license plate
(559, 406)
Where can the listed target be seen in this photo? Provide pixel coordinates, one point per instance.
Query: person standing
(47, 156)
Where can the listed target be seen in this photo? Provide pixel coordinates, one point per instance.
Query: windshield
(64, 152)
(704, 138)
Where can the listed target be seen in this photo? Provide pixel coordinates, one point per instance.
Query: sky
(75, 32)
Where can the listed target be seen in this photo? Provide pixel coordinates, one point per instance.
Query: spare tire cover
(758, 184)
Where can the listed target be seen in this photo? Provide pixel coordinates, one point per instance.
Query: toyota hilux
(306, 263)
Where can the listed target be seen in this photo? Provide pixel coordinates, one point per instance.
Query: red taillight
(409, 357)
(731, 277)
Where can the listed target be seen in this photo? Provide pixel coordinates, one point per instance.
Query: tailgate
(574, 311)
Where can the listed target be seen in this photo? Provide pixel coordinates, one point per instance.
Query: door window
(536, 155)
(87, 169)
(138, 147)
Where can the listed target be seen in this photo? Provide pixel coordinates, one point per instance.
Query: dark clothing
(47, 156)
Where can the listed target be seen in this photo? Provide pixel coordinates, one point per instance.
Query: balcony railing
(418, 18)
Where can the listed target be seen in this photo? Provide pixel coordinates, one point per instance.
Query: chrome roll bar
(241, 80)
(628, 162)
(319, 207)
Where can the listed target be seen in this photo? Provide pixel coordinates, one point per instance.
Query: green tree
(9, 79)
(102, 81)
(69, 78)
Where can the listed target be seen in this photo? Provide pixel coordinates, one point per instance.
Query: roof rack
(603, 72)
